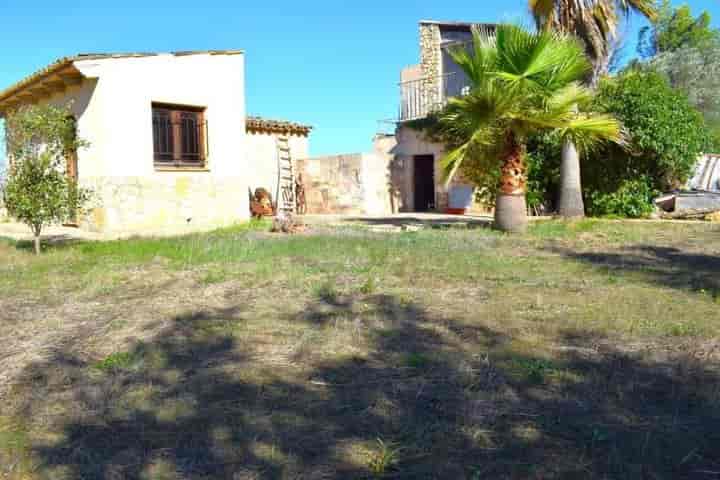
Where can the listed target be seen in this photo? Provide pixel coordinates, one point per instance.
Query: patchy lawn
(582, 350)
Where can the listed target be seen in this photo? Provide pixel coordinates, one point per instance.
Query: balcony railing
(419, 98)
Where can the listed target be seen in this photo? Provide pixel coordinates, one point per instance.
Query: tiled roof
(459, 26)
(265, 125)
(67, 62)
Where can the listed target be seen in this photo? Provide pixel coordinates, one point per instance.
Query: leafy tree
(696, 72)
(521, 82)
(595, 23)
(674, 29)
(38, 192)
(666, 134)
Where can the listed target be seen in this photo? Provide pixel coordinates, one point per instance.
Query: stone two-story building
(403, 172)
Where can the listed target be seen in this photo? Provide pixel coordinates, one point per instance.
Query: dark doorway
(424, 178)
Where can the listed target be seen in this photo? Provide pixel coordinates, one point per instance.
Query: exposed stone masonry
(430, 62)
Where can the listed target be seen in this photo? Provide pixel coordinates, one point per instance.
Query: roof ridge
(66, 61)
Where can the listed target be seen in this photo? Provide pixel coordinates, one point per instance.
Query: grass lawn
(582, 350)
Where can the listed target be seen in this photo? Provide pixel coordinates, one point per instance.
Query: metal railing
(419, 98)
(180, 144)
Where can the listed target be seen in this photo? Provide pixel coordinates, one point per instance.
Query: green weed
(384, 458)
(116, 361)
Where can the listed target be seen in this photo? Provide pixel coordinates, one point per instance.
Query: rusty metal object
(261, 204)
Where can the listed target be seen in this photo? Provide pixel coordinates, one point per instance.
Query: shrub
(632, 199)
(543, 172)
(38, 192)
(666, 133)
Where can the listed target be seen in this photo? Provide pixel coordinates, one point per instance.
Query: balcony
(419, 98)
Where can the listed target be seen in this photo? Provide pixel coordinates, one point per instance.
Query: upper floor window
(179, 136)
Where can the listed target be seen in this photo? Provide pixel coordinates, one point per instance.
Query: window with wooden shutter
(179, 136)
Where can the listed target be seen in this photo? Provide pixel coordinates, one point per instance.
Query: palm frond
(587, 132)
(481, 62)
(543, 60)
(544, 13)
(521, 82)
(452, 162)
(570, 97)
(646, 8)
(594, 22)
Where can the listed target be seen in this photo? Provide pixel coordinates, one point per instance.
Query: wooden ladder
(285, 194)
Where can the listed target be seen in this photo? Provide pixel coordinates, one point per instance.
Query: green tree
(37, 191)
(686, 51)
(674, 29)
(521, 83)
(665, 133)
(595, 23)
(696, 72)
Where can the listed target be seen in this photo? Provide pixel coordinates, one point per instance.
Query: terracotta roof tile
(265, 125)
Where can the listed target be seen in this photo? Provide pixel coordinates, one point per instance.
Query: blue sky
(333, 65)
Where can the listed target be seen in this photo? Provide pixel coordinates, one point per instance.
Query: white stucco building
(170, 145)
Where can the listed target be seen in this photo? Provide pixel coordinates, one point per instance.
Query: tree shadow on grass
(48, 242)
(452, 399)
(667, 266)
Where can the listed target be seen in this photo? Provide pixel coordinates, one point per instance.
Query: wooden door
(71, 170)
(424, 182)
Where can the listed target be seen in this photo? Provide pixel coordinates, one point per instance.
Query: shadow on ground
(425, 221)
(667, 266)
(450, 400)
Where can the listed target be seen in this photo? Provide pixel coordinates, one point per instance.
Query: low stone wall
(175, 202)
(355, 184)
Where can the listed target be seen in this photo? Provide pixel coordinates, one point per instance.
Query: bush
(666, 136)
(666, 133)
(633, 199)
(543, 172)
(37, 191)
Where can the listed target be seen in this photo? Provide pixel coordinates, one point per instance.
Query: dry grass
(582, 350)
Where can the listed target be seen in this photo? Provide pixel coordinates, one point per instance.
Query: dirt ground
(580, 350)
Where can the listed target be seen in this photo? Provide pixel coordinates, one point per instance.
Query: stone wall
(163, 204)
(332, 184)
(431, 64)
(355, 184)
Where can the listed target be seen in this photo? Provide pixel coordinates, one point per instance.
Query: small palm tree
(595, 23)
(522, 82)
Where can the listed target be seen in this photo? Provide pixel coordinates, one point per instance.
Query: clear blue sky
(332, 64)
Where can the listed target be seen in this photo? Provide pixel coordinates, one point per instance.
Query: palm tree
(522, 82)
(595, 23)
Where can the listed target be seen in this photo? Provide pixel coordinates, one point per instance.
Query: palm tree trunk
(601, 67)
(570, 204)
(510, 205)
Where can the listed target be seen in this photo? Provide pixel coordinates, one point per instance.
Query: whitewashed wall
(262, 159)
(114, 110)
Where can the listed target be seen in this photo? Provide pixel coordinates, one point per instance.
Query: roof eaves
(56, 66)
(65, 62)
(255, 124)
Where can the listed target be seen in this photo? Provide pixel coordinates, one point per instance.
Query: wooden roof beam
(27, 97)
(40, 92)
(71, 77)
(56, 84)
